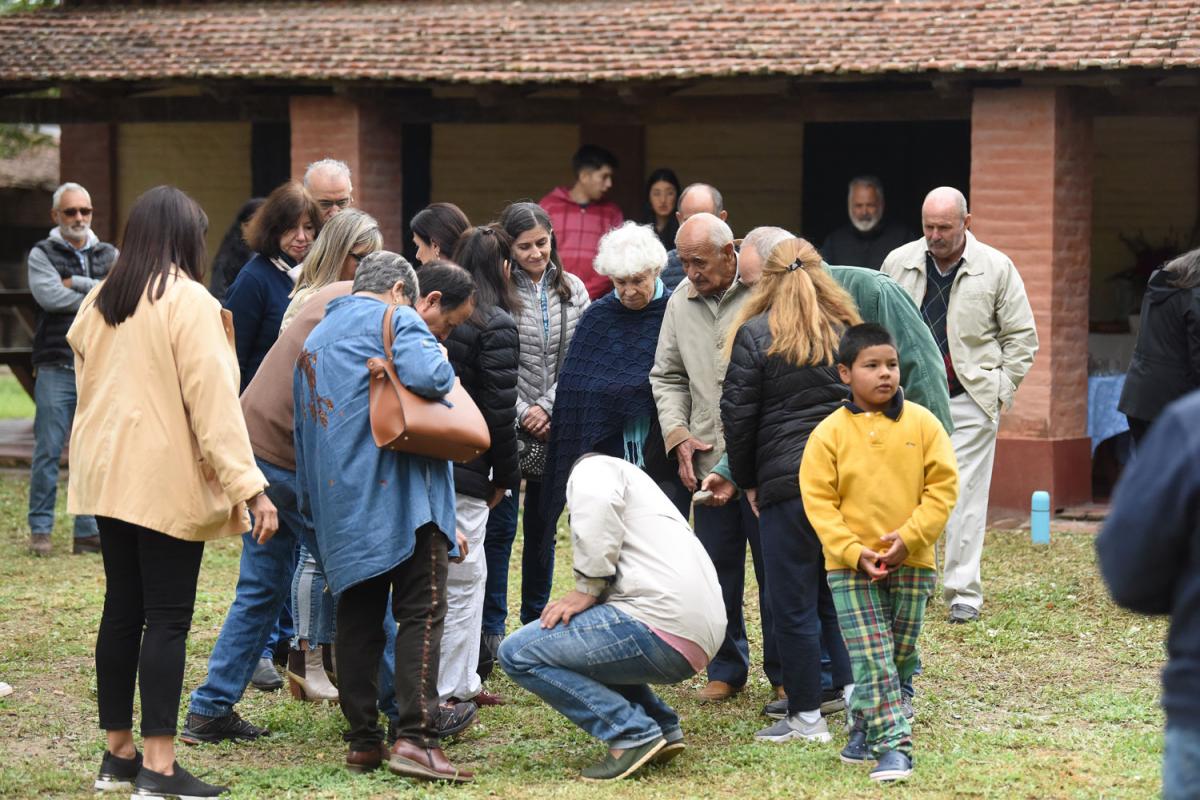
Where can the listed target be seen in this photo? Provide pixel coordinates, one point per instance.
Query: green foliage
(27, 5)
(14, 138)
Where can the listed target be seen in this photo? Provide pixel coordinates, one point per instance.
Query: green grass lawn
(15, 402)
(1055, 694)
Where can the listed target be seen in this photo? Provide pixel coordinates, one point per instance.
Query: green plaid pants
(880, 623)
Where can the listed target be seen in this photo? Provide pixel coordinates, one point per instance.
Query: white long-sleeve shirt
(634, 551)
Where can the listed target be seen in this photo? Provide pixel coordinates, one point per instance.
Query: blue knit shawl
(604, 384)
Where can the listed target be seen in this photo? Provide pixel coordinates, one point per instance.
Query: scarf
(603, 390)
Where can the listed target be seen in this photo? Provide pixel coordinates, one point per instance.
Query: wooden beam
(270, 108)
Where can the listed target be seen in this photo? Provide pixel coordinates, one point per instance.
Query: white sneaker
(793, 727)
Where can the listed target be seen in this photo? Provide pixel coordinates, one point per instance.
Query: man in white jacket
(646, 609)
(974, 302)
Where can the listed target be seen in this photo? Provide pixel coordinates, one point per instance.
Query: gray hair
(326, 165)
(68, 187)
(944, 192)
(719, 233)
(764, 239)
(865, 180)
(1184, 270)
(379, 272)
(718, 201)
(630, 250)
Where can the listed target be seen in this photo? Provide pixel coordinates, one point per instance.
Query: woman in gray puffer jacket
(552, 301)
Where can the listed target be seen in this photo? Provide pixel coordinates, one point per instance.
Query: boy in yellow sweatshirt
(879, 480)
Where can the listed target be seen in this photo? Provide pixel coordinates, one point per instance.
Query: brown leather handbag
(450, 429)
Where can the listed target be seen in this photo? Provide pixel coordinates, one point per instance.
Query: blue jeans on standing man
(54, 396)
(725, 531)
(537, 559)
(596, 672)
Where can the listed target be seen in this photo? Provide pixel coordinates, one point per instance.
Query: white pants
(974, 441)
(464, 605)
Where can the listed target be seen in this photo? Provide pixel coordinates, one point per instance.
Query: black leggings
(150, 586)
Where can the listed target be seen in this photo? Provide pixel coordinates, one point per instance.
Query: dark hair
(455, 283)
(441, 224)
(165, 228)
(482, 252)
(525, 215)
(667, 235)
(275, 217)
(591, 156)
(858, 338)
(233, 253)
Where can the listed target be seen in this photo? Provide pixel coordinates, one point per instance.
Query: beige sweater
(635, 552)
(159, 439)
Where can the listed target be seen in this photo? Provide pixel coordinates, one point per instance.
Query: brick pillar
(369, 141)
(88, 156)
(1031, 197)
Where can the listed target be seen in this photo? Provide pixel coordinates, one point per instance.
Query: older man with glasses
(62, 269)
(328, 181)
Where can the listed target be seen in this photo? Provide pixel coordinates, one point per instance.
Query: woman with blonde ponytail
(782, 381)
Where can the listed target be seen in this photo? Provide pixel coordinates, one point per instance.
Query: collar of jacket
(550, 270)
(693, 293)
(892, 412)
(971, 263)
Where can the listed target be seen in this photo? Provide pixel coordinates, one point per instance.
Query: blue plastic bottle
(1039, 518)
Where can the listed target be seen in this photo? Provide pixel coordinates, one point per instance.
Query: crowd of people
(683, 393)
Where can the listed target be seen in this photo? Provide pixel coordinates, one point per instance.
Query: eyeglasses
(328, 204)
(83, 211)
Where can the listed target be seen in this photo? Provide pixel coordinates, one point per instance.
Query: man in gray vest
(62, 269)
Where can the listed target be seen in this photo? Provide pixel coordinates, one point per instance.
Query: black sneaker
(906, 707)
(199, 729)
(116, 773)
(776, 709)
(182, 785)
(454, 719)
(893, 766)
(265, 677)
(832, 701)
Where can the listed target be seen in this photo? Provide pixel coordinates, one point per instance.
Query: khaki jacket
(989, 325)
(159, 439)
(689, 368)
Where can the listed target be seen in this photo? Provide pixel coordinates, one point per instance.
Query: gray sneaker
(961, 613)
(906, 707)
(266, 678)
(793, 727)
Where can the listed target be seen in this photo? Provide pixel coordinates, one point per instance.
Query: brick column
(369, 141)
(1031, 197)
(88, 156)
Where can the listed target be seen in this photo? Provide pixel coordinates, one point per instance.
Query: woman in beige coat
(161, 457)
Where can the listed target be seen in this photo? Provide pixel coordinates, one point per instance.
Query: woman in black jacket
(484, 354)
(781, 382)
(1166, 358)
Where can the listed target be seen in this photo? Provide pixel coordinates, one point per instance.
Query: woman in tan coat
(161, 457)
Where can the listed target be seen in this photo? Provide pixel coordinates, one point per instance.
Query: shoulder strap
(562, 334)
(388, 335)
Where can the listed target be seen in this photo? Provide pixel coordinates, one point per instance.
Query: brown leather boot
(717, 690)
(413, 760)
(361, 761)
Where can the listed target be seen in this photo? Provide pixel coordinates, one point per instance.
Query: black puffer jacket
(1166, 358)
(768, 409)
(485, 360)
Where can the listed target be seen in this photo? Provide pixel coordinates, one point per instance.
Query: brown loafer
(486, 698)
(361, 761)
(424, 763)
(717, 690)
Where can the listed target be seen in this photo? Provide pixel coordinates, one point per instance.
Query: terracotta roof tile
(583, 41)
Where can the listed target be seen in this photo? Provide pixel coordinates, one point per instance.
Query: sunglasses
(82, 211)
(328, 204)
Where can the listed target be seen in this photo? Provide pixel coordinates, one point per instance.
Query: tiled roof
(583, 41)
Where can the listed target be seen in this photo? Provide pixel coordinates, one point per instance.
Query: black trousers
(149, 595)
(418, 588)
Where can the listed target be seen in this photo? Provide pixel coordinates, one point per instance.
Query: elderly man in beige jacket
(974, 302)
(686, 380)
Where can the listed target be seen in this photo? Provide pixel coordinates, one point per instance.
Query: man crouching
(646, 609)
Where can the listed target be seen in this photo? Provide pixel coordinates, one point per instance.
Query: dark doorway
(270, 156)
(909, 157)
(416, 167)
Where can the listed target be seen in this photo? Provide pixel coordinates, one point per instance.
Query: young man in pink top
(581, 215)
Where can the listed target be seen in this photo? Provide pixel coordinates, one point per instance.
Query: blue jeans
(264, 579)
(596, 672)
(312, 605)
(1181, 762)
(724, 532)
(54, 396)
(537, 559)
(802, 611)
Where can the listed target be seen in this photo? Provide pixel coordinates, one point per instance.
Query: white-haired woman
(604, 403)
